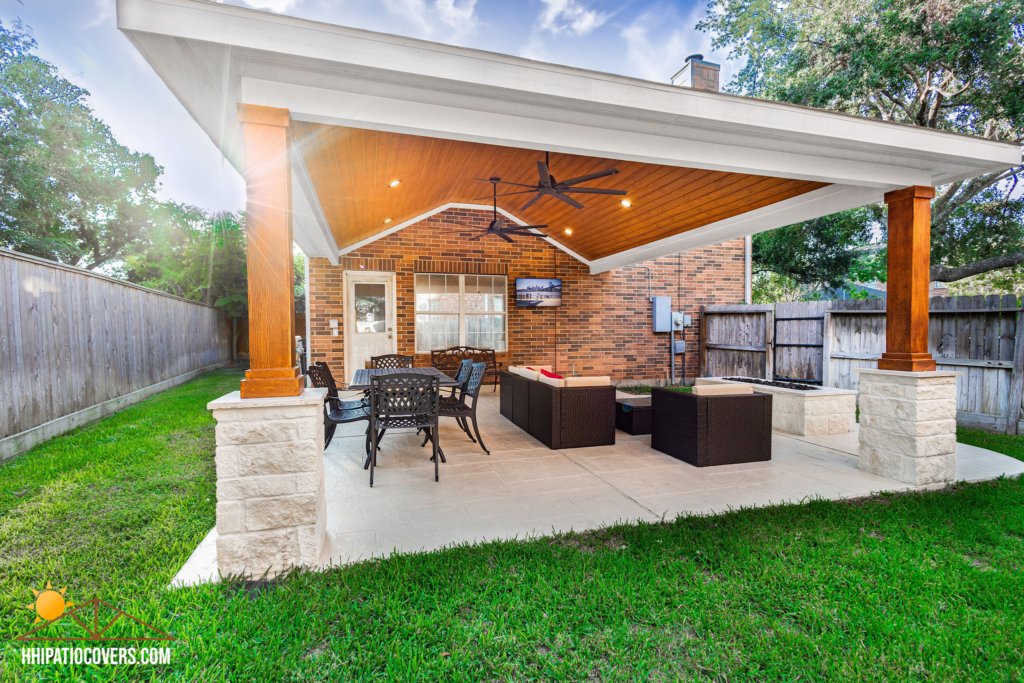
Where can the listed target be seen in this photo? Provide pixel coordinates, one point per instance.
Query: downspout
(309, 300)
(748, 297)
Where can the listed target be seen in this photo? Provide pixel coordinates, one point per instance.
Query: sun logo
(49, 603)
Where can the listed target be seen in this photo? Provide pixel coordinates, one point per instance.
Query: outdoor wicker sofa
(560, 417)
(712, 430)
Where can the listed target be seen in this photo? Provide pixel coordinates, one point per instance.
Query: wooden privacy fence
(825, 342)
(76, 345)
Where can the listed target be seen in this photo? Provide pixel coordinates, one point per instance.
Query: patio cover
(807, 163)
(356, 109)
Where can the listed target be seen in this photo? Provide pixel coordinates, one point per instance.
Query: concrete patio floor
(525, 489)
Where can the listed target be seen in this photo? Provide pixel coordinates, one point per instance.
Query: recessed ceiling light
(362, 267)
(386, 221)
(626, 203)
(395, 183)
(568, 231)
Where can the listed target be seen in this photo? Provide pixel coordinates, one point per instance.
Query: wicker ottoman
(712, 430)
(633, 415)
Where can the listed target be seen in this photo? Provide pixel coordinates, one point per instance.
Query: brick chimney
(698, 74)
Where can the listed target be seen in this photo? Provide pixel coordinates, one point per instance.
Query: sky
(642, 38)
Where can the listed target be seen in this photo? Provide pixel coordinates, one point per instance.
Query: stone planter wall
(806, 413)
(271, 503)
(908, 425)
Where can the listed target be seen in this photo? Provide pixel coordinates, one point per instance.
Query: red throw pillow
(552, 375)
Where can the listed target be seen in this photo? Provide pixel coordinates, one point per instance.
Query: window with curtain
(454, 310)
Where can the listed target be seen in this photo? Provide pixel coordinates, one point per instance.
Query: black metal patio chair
(462, 411)
(337, 411)
(461, 376)
(404, 400)
(390, 361)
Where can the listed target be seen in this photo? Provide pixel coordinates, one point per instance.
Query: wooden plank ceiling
(352, 168)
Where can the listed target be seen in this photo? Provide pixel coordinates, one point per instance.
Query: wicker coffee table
(633, 415)
(712, 430)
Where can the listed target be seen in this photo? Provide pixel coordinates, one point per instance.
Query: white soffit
(213, 56)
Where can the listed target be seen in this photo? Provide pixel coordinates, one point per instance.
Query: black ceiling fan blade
(527, 227)
(528, 204)
(588, 177)
(523, 233)
(545, 177)
(503, 182)
(592, 190)
(568, 200)
(507, 194)
(505, 237)
(474, 239)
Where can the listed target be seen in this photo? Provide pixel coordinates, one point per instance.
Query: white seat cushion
(587, 381)
(528, 374)
(552, 381)
(722, 389)
(538, 368)
(513, 369)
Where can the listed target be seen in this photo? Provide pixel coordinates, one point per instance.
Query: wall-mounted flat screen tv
(538, 291)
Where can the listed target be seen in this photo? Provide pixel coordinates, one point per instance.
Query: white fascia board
(376, 113)
(827, 200)
(309, 223)
(476, 73)
(458, 205)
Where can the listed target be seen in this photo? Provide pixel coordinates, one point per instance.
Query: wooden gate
(736, 340)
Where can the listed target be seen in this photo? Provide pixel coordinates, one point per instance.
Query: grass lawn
(925, 586)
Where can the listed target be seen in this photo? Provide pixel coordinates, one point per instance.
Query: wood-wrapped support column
(268, 218)
(906, 316)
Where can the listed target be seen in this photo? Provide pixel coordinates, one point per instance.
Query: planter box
(806, 413)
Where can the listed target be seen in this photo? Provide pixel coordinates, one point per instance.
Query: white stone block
(257, 487)
(278, 458)
(230, 517)
(250, 432)
(276, 513)
(226, 460)
(253, 554)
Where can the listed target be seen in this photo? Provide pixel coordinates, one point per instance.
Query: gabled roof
(215, 56)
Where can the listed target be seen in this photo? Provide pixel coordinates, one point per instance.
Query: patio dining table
(361, 380)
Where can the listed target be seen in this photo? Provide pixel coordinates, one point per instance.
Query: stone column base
(271, 502)
(908, 425)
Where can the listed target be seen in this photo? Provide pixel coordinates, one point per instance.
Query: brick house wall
(603, 326)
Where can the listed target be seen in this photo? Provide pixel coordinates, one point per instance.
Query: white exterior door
(369, 318)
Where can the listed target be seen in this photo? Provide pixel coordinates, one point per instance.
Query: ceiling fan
(548, 185)
(497, 224)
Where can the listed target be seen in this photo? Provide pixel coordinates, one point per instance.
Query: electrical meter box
(680, 321)
(662, 314)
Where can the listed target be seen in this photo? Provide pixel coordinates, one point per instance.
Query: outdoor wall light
(626, 203)
(395, 183)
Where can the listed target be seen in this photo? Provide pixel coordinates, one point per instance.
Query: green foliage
(954, 65)
(822, 253)
(68, 190)
(300, 285)
(768, 287)
(193, 254)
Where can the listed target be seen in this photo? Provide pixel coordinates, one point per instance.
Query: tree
(824, 252)
(68, 190)
(954, 65)
(193, 254)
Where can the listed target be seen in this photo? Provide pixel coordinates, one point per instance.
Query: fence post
(702, 353)
(769, 345)
(1017, 378)
(826, 345)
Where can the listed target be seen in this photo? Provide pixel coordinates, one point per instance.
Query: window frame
(462, 310)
